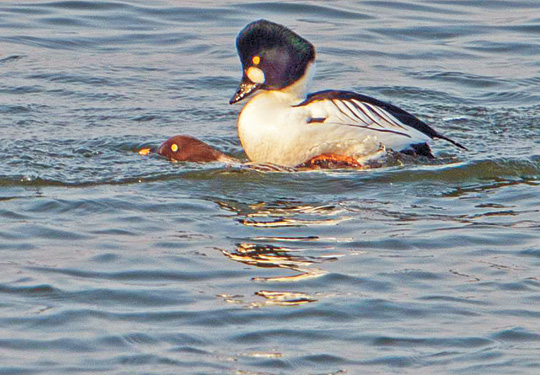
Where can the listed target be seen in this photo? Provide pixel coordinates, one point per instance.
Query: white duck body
(281, 127)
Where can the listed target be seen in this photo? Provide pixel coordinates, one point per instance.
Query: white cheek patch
(255, 75)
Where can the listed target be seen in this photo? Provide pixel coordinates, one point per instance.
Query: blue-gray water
(115, 263)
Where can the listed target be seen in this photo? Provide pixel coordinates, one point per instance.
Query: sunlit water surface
(116, 263)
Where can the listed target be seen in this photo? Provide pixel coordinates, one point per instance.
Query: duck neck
(297, 92)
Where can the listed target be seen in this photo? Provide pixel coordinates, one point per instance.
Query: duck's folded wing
(355, 110)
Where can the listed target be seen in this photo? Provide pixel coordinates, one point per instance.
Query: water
(121, 264)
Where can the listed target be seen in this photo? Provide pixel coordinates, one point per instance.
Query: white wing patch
(355, 113)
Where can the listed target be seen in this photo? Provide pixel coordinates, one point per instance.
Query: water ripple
(117, 263)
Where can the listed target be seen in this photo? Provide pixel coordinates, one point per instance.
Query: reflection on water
(284, 298)
(261, 251)
(269, 256)
(287, 214)
(272, 298)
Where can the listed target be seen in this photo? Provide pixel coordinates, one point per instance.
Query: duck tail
(457, 144)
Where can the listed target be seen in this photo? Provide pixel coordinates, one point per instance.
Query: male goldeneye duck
(281, 124)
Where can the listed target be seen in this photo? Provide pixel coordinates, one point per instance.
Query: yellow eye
(256, 60)
(174, 147)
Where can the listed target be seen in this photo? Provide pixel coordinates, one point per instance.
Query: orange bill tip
(144, 151)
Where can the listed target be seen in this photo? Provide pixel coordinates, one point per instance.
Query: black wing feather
(403, 116)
